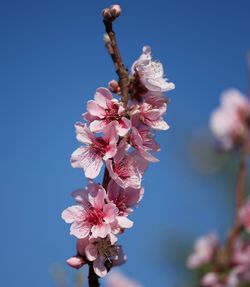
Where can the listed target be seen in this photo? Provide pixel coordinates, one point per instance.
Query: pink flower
(126, 169)
(151, 111)
(76, 262)
(228, 122)
(142, 139)
(104, 110)
(244, 215)
(117, 279)
(92, 215)
(90, 157)
(204, 251)
(101, 251)
(151, 73)
(124, 199)
(212, 279)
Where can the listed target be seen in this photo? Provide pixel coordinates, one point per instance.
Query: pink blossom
(204, 250)
(151, 73)
(228, 122)
(76, 262)
(117, 279)
(212, 279)
(244, 215)
(101, 251)
(142, 139)
(103, 110)
(90, 157)
(124, 199)
(92, 215)
(126, 169)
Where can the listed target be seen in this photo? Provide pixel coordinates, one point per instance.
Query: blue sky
(52, 60)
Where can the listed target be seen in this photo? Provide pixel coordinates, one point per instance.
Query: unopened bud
(76, 262)
(106, 38)
(106, 13)
(115, 10)
(114, 86)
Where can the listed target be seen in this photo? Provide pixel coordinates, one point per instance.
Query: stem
(240, 188)
(93, 278)
(119, 66)
(123, 76)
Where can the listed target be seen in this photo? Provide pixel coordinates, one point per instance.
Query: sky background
(52, 59)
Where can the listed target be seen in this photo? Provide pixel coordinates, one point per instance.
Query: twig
(123, 76)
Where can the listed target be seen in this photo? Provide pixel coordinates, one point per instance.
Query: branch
(109, 15)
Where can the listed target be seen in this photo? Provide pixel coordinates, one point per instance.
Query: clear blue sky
(51, 61)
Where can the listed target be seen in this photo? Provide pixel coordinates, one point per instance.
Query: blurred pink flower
(126, 169)
(97, 149)
(228, 122)
(244, 215)
(151, 73)
(204, 250)
(212, 279)
(101, 251)
(92, 215)
(103, 110)
(117, 279)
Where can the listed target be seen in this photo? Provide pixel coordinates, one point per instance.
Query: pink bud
(76, 262)
(115, 10)
(114, 86)
(106, 13)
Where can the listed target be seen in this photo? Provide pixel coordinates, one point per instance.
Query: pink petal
(91, 252)
(72, 213)
(88, 159)
(95, 110)
(99, 267)
(124, 222)
(103, 96)
(79, 230)
(110, 211)
(101, 230)
(97, 126)
(123, 127)
(97, 199)
(83, 134)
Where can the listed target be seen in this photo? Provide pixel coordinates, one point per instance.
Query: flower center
(94, 216)
(100, 145)
(112, 113)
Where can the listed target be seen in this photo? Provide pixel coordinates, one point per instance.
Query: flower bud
(114, 87)
(76, 262)
(115, 10)
(106, 13)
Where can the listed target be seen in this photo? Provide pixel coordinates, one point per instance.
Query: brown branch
(112, 47)
(121, 71)
(239, 195)
(93, 278)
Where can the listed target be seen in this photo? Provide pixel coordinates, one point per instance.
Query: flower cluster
(230, 122)
(119, 137)
(224, 266)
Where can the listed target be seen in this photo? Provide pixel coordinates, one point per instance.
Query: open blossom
(151, 73)
(151, 112)
(101, 251)
(212, 279)
(204, 250)
(103, 110)
(126, 169)
(142, 139)
(228, 122)
(244, 215)
(124, 199)
(117, 279)
(90, 157)
(93, 215)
